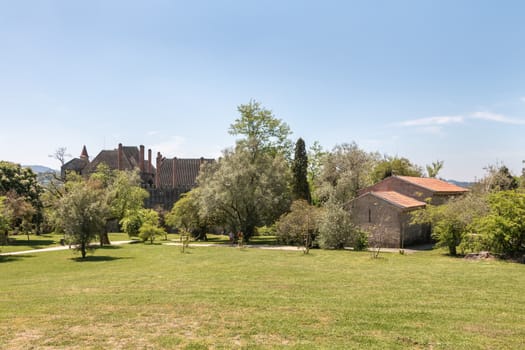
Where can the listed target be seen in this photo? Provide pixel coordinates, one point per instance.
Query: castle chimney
(149, 162)
(157, 177)
(120, 164)
(141, 159)
(174, 174)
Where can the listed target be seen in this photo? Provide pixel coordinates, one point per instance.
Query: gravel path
(193, 245)
(62, 247)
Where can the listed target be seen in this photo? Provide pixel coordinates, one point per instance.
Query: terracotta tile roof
(398, 199)
(435, 185)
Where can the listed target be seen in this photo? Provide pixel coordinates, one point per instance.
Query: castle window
(369, 215)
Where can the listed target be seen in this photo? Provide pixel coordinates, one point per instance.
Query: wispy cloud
(436, 124)
(153, 133)
(522, 99)
(499, 118)
(434, 121)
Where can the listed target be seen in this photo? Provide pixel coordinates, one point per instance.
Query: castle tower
(84, 154)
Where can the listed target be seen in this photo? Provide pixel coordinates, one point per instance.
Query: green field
(153, 297)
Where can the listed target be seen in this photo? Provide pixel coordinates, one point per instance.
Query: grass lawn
(153, 297)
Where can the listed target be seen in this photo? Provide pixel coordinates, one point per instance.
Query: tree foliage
(499, 178)
(185, 216)
(4, 221)
(82, 213)
(434, 168)
(316, 156)
(149, 232)
(241, 193)
(150, 229)
(503, 228)
(390, 166)
(452, 222)
(20, 185)
(263, 132)
(336, 230)
(299, 225)
(300, 186)
(345, 170)
(123, 193)
(249, 186)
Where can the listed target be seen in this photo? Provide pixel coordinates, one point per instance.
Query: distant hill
(464, 184)
(39, 169)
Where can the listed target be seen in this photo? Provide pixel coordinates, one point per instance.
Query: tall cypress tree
(300, 186)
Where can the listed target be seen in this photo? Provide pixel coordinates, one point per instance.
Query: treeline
(489, 218)
(264, 184)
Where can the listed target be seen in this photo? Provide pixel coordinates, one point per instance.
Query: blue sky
(426, 80)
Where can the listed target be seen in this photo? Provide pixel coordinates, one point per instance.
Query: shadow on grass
(33, 243)
(109, 247)
(11, 258)
(94, 258)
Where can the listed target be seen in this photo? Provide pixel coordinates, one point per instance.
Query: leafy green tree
(4, 221)
(242, 193)
(149, 232)
(345, 170)
(434, 169)
(503, 228)
(499, 178)
(248, 187)
(150, 228)
(316, 156)
(452, 222)
(264, 134)
(300, 186)
(336, 230)
(20, 211)
(300, 225)
(185, 215)
(22, 183)
(390, 166)
(82, 213)
(132, 222)
(123, 194)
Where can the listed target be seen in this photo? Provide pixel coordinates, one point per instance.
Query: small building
(383, 210)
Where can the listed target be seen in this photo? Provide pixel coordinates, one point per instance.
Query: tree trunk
(83, 249)
(104, 239)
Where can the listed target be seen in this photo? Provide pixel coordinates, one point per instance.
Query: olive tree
(249, 186)
(345, 170)
(82, 213)
(336, 230)
(242, 194)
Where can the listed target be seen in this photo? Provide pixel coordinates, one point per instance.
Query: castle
(165, 182)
